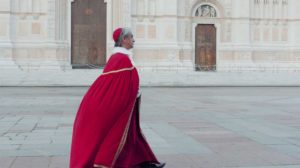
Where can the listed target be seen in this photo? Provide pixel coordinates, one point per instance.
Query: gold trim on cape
(122, 142)
(100, 166)
(119, 70)
(124, 137)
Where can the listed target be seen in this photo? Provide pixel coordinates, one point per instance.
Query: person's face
(128, 42)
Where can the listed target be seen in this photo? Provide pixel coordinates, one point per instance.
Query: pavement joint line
(255, 120)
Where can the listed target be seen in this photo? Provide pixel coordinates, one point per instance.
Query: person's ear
(123, 39)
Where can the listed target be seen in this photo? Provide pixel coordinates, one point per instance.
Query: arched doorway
(206, 33)
(205, 58)
(88, 33)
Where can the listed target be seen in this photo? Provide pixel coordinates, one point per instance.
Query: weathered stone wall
(252, 35)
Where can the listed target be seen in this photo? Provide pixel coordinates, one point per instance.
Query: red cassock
(106, 130)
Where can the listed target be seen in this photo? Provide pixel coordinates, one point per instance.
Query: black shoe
(152, 165)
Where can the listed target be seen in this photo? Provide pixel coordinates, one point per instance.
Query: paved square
(195, 127)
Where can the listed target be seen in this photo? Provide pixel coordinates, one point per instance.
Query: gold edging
(124, 137)
(119, 70)
(100, 166)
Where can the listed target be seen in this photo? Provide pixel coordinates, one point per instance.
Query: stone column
(51, 21)
(241, 35)
(127, 13)
(121, 10)
(295, 23)
(294, 34)
(6, 31)
(58, 47)
(241, 25)
(118, 15)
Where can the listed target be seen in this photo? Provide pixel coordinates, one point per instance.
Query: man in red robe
(106, 130)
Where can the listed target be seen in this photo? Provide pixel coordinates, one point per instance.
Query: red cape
(104, 119)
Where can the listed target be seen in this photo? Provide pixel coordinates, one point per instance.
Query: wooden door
(205, 58)
(88, 47)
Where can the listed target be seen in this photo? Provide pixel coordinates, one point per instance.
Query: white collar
(122, 50)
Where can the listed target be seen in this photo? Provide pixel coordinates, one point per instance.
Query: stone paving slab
(196, 127)
(288, 166)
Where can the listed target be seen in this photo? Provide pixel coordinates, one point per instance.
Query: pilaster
(6, 31)
(121, 13)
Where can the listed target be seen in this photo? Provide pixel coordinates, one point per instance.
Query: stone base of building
(149, 77)
(36, 58)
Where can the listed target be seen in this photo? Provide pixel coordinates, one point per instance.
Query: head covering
(117, 34)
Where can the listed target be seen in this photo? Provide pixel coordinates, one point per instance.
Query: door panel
(205, 58)
(88, 33)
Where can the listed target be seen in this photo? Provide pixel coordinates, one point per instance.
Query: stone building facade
(192, 39)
